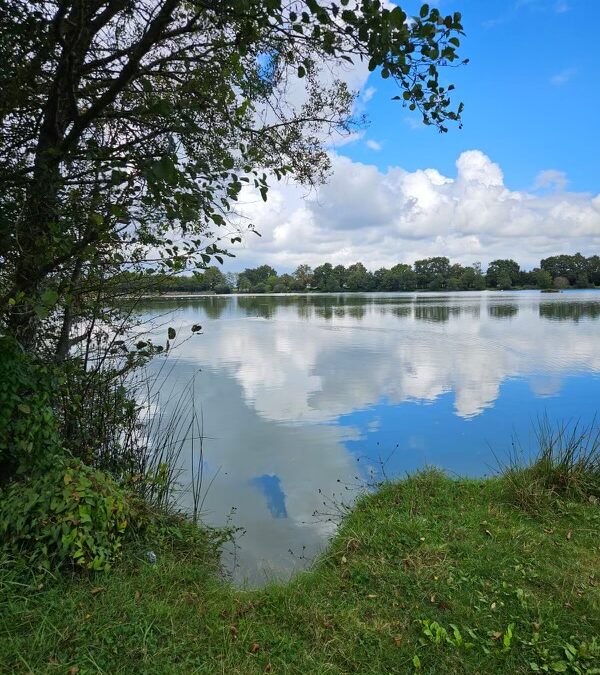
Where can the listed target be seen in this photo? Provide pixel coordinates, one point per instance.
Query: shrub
(28, 430)
(71, 514)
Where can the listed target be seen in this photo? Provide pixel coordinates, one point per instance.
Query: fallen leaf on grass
(234, 632)
(489, 534)
(397, 640)
(268, 668)
(496, 635)
(536, 626)
(73, 670)
(432, 599)
(53, 661)
(98, 589)
(254, 647)
(569, 535)
(137, 595)
(372, 595)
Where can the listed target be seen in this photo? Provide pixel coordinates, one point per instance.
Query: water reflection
(295, 389)
(569, 311)
(503, 311)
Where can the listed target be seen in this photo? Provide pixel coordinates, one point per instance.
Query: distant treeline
(432, 274)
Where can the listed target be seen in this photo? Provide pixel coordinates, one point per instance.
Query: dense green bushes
(67, 447)
(29, 434)
(70, 514)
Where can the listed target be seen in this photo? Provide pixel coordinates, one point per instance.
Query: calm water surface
(302, 396)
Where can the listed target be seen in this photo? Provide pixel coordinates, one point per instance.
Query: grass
(567, 465)
(428, 575)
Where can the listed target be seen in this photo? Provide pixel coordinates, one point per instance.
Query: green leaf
(424, 11)
(49, 297)
(397, 17)
(171, 333)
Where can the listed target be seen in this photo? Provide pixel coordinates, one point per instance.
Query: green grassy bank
(429, 575)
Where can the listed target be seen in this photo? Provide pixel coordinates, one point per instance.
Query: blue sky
(521, 179)
(531, 93)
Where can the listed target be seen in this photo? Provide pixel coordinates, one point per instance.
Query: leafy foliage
(428, 274)
(29, 433)
(129, 130)
(69, 514)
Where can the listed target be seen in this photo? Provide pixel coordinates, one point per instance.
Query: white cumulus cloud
(384, 217)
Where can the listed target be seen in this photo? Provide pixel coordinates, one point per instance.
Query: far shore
(171, 295)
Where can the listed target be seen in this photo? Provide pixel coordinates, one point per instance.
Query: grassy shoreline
(427, 575)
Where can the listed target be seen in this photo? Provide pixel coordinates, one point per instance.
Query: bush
(29, 433)
(72, 514)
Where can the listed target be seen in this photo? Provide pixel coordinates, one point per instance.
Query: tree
(323, 277)
(212, 278)
(432, 273)
(543, 278)
(503, 268)
(407, 279)
(358, 278)
(303, 276)
(471, 280)
(284, 284)
(568, 266)
(593, 269)
(253, 277)
(503, 280)
(479, 281)
(271, 281)
(127, 129)
(399, 278)
(231, 279)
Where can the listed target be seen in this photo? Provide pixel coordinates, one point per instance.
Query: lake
(306, 399)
